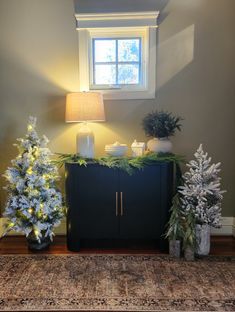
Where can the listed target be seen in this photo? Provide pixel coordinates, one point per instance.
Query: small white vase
(161, 145)
(202, 239)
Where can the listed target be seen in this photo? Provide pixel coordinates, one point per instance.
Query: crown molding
(116, 19)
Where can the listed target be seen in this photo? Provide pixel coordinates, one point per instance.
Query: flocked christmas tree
(34, 205)
(201, 190)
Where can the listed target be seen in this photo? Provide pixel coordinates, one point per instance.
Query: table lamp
(85, 107)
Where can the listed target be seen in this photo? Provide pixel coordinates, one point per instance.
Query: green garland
(127, 164)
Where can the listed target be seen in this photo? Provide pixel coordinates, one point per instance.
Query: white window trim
(119, 24)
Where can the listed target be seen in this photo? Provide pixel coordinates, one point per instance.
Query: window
(118, 61)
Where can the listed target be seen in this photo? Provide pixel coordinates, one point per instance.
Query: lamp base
(85, 142)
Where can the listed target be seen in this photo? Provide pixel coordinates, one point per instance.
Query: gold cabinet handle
(116, 204)
(121, 203)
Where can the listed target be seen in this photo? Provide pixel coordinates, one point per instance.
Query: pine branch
(127, 164)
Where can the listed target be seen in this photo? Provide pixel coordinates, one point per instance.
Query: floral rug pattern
(116, 283)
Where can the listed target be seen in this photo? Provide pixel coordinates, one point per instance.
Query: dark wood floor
(220, 245)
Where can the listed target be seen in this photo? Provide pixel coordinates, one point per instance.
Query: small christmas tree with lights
(34, 205)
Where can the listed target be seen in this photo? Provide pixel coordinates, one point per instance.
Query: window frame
(113, 30)
(121, 33)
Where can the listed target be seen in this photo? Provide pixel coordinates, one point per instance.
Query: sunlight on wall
(61, 71)
(57, 72)
(174, 55)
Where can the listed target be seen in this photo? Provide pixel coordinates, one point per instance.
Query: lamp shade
(84, 106)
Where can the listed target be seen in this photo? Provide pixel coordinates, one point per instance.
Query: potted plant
(189, 237)
(175, 230)
(202, 196)
(160, 125)
(34, 205)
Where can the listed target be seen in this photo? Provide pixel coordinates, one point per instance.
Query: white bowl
(116, 151)
(113, 146)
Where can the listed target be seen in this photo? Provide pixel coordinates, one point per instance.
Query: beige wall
(195, 77)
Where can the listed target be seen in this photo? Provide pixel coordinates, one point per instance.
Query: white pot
(202, 239)
(162, 145)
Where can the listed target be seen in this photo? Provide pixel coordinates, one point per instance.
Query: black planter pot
(35, 245)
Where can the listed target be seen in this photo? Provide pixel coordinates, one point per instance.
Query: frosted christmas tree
(201, 190)
(34, 205)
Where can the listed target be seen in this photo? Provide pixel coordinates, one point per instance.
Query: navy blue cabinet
(106, 203)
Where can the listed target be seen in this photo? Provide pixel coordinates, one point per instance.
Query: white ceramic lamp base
(85, 142)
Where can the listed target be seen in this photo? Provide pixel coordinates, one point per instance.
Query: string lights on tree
(34, 205)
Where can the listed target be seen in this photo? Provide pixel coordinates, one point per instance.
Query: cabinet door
(145, 201)
(91, 195)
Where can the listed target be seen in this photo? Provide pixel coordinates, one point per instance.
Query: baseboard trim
(228, 227)
(234, 227)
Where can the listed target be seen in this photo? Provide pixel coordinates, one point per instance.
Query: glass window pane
(105, 74)
(105, 50)
(128, 74)
(128, 50)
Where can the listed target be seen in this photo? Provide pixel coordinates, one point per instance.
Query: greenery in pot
(161, 124)
(181, 228)
(175, 230)
(189, 236)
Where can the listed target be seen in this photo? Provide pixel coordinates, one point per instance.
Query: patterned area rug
(116, 283)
